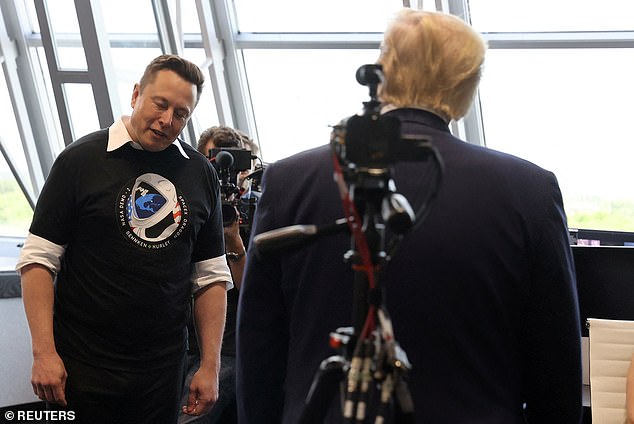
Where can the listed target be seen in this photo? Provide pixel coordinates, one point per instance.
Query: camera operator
(482, 295)
(224, 411)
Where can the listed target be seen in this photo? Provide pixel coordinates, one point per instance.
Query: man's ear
(135, 94)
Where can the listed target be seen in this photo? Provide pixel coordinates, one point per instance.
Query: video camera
(229, 162)
(368, 145)
(371, 140)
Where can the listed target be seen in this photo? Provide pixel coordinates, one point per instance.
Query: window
(298, 94)
(560, 109)
(563, 108)
(548, 15)
(65, 28)
(81, 108)
(555, 87)
(15, 211)
(321, 16)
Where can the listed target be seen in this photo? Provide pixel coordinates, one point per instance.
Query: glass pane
(562, 110)
(47, 99)
(315, 16)
(188, 16)
(129, 64)
(298, 94)
(205, 115)
(129, 17)
(32, 16)
(81, 108)
(65, 27)
(15, 211)
(71, 58)
(9, 134)
(548, 15)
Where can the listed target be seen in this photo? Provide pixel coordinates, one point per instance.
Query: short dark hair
(184, 68)
(224, 136)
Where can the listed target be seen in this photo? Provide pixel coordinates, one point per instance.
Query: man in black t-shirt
(128, 225)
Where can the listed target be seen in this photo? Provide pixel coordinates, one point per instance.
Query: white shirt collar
(118, 136)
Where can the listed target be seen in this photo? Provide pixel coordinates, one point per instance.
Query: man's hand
(203, 393)
(232, 231)
(49, 378)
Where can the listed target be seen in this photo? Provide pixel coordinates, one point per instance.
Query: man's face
(160, 112)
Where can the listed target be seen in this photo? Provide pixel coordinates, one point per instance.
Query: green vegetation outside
(15, 211)
(600, 214)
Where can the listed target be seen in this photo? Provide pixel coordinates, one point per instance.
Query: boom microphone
(288, 238)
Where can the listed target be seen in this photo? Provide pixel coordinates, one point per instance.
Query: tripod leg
(325, 385)
(404, 403)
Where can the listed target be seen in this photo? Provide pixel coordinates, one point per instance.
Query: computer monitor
(605, 282)
(588, 237)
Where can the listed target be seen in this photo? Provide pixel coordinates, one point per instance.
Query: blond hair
(431, 60)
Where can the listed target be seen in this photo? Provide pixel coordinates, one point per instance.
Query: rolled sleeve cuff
(211, 271)
(38, 250)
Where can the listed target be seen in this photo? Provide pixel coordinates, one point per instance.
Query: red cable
(360, 241)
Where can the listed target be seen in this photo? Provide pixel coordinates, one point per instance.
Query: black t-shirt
(133, 223)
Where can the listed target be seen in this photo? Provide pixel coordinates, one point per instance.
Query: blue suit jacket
(482, 295)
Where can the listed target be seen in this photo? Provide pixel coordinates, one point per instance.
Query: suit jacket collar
(420, 116)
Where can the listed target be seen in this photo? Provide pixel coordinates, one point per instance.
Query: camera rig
(237, 203)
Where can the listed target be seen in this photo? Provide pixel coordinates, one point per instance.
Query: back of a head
(431, 60)
(184, 68)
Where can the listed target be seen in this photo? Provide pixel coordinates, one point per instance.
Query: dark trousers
(99, 395)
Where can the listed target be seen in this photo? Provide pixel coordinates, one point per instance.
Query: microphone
(224, 159)
(285, 238)
(371, 74)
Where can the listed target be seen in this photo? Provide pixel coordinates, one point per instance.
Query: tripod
(369, 373)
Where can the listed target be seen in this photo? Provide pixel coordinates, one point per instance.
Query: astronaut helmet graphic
(153, 210)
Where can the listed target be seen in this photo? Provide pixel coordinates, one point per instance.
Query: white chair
(611, 349)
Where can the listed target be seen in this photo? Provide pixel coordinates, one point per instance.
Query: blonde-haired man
(482, 295)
